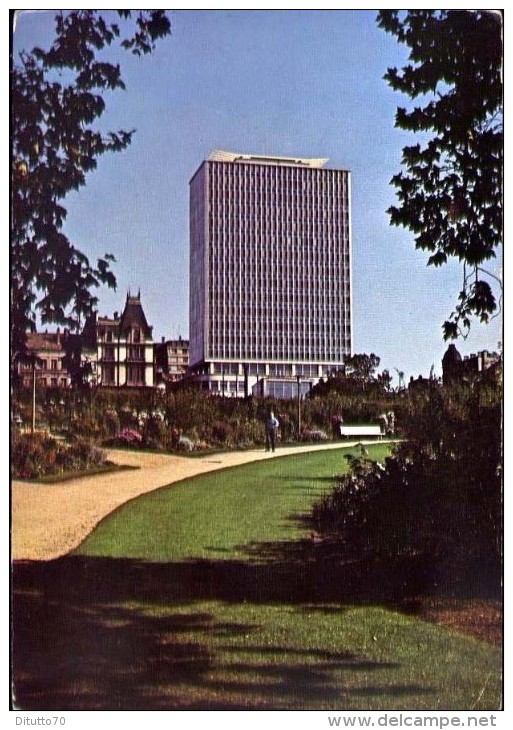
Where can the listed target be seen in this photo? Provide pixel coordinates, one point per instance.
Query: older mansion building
(111, 352)
(120, 349)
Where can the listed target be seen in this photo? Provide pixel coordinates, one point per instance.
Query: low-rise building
(455, 367)
(171, 360)
(47, 358)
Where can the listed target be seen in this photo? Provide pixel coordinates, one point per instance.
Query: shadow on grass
(100, 633)
(117, 634)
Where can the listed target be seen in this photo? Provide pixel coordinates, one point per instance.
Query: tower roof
(133, 316)
(451, 355)
(225, 156)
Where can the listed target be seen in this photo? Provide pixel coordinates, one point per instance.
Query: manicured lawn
(224, 514)
(211, 595)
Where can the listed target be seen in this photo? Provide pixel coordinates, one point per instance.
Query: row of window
(301, 322)
(44, 364)
(219, 386)
(312, 211)
(274, 326)
(315, 339)
(134, 375)
(49, 382)
(285, 243)
(258, 176)
(112, 335)
(305, 266)
(319, 354)
(46, 382)
(277, 177)
(281, 232)
(257, 253)
(222, 283)
(268, 369)
(274, 288)
(315, 207)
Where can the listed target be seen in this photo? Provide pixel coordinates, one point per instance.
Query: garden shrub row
(37, 455)
(162, 421)
(438, 496)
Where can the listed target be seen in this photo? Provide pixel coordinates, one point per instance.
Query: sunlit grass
(209, 595)
(217, 515)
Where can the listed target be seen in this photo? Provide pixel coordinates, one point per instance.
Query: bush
(313, 434)
(33, 455)
(128, 437)
(37, 455)
(438, 496)
(185, 444)
(222, 432)
(111, 422)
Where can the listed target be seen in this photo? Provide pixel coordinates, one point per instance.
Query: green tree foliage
(361, 366)
(57, 96)
(358, 376)
(450, 190)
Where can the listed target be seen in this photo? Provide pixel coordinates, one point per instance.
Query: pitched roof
(133, 316)
(49, 341)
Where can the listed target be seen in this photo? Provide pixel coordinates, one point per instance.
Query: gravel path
(49, 520)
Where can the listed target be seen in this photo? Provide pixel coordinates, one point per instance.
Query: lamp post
(35, 362)
(33, 395)
(70, 408)
(93, 384)
(245, 368)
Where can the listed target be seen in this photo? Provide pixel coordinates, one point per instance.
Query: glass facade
(270, 266)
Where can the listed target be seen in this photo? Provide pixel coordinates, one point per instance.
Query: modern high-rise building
(270, 272)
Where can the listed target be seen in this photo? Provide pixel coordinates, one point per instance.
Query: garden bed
(480, 618)
(69, 475)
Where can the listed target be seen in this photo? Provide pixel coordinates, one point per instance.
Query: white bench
(358, 430)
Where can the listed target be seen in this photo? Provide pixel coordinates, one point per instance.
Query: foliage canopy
(57, 96)
(450, 189)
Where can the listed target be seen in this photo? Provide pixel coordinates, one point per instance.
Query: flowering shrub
(32, 455)
(185, 444)
(129, 437)
(313, 434)
(111, 422)
(78, 456)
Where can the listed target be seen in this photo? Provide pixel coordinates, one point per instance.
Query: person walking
(270, 432)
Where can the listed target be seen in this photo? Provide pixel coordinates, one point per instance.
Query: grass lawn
(211, 595)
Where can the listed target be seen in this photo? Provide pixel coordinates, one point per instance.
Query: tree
(450, 193)
(362, 367)
(358, 376)
(56, 100)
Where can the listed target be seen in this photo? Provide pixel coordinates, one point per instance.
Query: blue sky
(291, 83)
